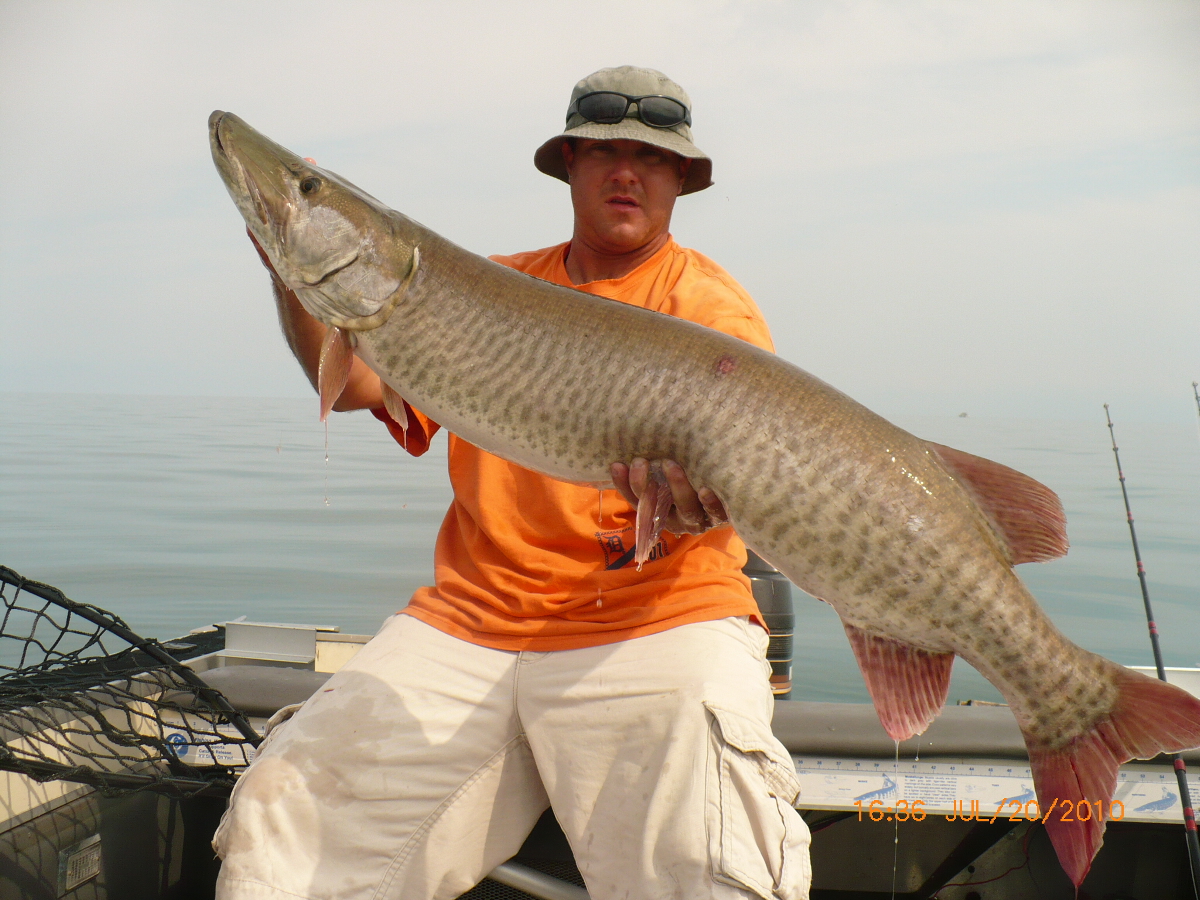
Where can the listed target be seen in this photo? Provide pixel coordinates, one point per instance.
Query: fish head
(332, 243)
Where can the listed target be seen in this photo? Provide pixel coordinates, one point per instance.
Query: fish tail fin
(1149, 717)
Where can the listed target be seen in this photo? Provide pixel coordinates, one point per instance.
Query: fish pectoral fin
(653, 508)
(1149, 717)
(908, 685)
(337, 355)
(394, 404)
(1027, 515)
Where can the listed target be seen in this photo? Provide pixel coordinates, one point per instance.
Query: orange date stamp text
(1012, 810)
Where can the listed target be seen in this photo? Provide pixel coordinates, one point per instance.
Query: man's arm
(304, 335)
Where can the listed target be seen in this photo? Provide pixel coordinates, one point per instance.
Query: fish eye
(310, 185)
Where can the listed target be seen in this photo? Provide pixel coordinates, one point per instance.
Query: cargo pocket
(756, 839)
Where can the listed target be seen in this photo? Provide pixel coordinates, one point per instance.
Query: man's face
(623, 191)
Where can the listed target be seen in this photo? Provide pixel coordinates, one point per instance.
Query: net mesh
(83, 698)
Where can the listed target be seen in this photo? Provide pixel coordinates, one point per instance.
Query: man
(543, 667)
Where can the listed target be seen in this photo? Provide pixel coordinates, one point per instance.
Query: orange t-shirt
(526, 562)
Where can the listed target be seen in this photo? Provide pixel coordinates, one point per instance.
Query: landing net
(84, 699)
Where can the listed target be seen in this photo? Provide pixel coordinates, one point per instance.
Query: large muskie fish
(912, 543)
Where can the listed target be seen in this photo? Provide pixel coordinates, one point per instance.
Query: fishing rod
(1196, 392)
(1189, 815)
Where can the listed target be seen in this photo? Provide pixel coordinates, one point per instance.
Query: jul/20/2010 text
(1067, 811)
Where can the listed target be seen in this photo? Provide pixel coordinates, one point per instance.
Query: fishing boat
(950, 815)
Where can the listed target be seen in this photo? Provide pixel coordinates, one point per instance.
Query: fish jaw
(327, 240)
(249, 170)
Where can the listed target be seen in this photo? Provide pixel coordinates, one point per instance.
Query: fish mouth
(214, 130)
(249, 165)
(231, 168)
(262, 178)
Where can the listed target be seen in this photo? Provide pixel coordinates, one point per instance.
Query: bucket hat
(634, 82)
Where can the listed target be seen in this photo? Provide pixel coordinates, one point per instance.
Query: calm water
(177, 512)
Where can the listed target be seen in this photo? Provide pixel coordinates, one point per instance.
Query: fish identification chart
(987, 790)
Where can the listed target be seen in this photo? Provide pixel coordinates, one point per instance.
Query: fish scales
(555, 404)
(912, 544)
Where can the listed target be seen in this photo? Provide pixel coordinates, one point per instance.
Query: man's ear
(568, 154)
(685, 166)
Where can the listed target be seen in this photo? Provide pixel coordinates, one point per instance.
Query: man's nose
(623, 170)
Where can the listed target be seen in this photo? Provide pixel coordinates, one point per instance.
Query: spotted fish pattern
(913, 544)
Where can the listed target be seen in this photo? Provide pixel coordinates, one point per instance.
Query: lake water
(178, 512)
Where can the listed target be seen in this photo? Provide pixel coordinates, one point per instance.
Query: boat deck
(938, 815)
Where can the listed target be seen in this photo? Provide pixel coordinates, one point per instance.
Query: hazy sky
(940, 206)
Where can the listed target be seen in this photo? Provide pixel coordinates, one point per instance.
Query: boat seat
(806, 728)
(853, 729)
(261, 691)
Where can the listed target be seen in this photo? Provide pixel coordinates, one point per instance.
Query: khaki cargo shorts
(425, 762)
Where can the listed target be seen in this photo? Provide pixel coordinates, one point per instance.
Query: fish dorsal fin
(1027, 514)
(909, 685)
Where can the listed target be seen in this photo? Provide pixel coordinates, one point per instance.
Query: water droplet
(896, 826)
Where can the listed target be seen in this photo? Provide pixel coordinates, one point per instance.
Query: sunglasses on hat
(610, 107)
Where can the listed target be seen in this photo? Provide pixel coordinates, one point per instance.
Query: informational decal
(79, 863)
(209, 752)
(976, 790)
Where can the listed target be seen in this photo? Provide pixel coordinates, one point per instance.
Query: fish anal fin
(1148, 718)
(908, 685)
(1027, 514)
(394, 404)
(653, 507)
(337, 355)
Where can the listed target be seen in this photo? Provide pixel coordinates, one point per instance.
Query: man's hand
(694, 512)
